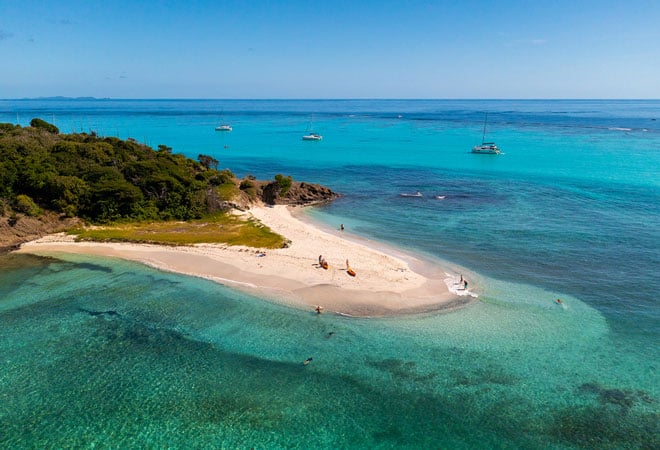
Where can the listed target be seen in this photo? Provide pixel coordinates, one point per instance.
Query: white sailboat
(311, 136)
(489, 148)
(224, 127)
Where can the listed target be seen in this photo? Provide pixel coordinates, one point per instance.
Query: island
(103, 196)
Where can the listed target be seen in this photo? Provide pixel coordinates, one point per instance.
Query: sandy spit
(384, 284)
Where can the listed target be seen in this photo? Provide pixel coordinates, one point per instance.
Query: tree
(208, 161)
(38, 123)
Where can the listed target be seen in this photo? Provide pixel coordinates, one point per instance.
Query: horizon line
(82, 98)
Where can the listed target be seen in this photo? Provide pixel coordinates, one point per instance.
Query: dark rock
(298, 194)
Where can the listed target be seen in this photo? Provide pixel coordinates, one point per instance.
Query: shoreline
(387, 282)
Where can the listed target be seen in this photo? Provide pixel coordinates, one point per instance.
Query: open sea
(111, 354)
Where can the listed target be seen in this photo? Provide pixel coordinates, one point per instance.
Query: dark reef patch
(625, 399)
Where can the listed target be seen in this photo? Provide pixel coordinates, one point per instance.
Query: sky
(330, 49)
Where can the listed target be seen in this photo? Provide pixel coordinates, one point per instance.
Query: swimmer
(318, 309)
(330, 334)
(308, 360)
(559, 301)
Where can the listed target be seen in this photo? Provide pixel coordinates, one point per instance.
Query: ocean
(108, 353)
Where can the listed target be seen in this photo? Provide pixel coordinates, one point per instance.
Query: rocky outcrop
(20, 228)
(298, 194)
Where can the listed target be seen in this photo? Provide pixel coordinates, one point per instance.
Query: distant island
(60, 97)
(52, 182)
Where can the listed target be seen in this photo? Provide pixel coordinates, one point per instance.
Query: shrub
(38, 123)
(247, 186)
(284, 182)
(27, 206)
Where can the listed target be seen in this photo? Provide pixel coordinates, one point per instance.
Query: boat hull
(486, 149)
(312, 137)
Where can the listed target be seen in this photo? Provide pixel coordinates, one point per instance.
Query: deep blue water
(570, 209)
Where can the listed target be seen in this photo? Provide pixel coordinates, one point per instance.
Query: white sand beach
(387, 282)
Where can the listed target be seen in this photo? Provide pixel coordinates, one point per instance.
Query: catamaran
(489, 148)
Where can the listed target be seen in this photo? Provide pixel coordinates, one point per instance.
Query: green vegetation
(218, 228)
(38, 123)
(285, 183)
(27, 206)
(137, 193)
(105, 180)
(247, 186)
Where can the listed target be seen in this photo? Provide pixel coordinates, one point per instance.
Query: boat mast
(483, 136)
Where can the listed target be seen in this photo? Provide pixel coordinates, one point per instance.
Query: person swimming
(308, 360)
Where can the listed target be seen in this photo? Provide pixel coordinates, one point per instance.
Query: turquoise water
(110, 353)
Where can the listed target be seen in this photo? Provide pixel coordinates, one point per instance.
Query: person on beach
(320, 259)
(341, 227)
(461, 279)
(318, 309)
(465, 284)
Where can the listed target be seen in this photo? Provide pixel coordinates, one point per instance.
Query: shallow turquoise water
(112, 352)
(115, 354)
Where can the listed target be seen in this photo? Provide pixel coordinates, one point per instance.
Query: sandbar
(386, 282)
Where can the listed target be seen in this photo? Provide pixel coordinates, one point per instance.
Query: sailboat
(311, 136)
(489, 148)
(225, 127)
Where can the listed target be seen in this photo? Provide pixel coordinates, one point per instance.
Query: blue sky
(331, 49)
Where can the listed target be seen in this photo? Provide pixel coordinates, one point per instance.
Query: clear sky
(330, 49)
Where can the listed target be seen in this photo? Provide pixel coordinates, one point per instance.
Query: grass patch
(227, 191)
(220, 228)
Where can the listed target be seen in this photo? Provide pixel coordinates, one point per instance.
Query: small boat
(312, 137)
(223, 128)
(487, 148)
(416, 194)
